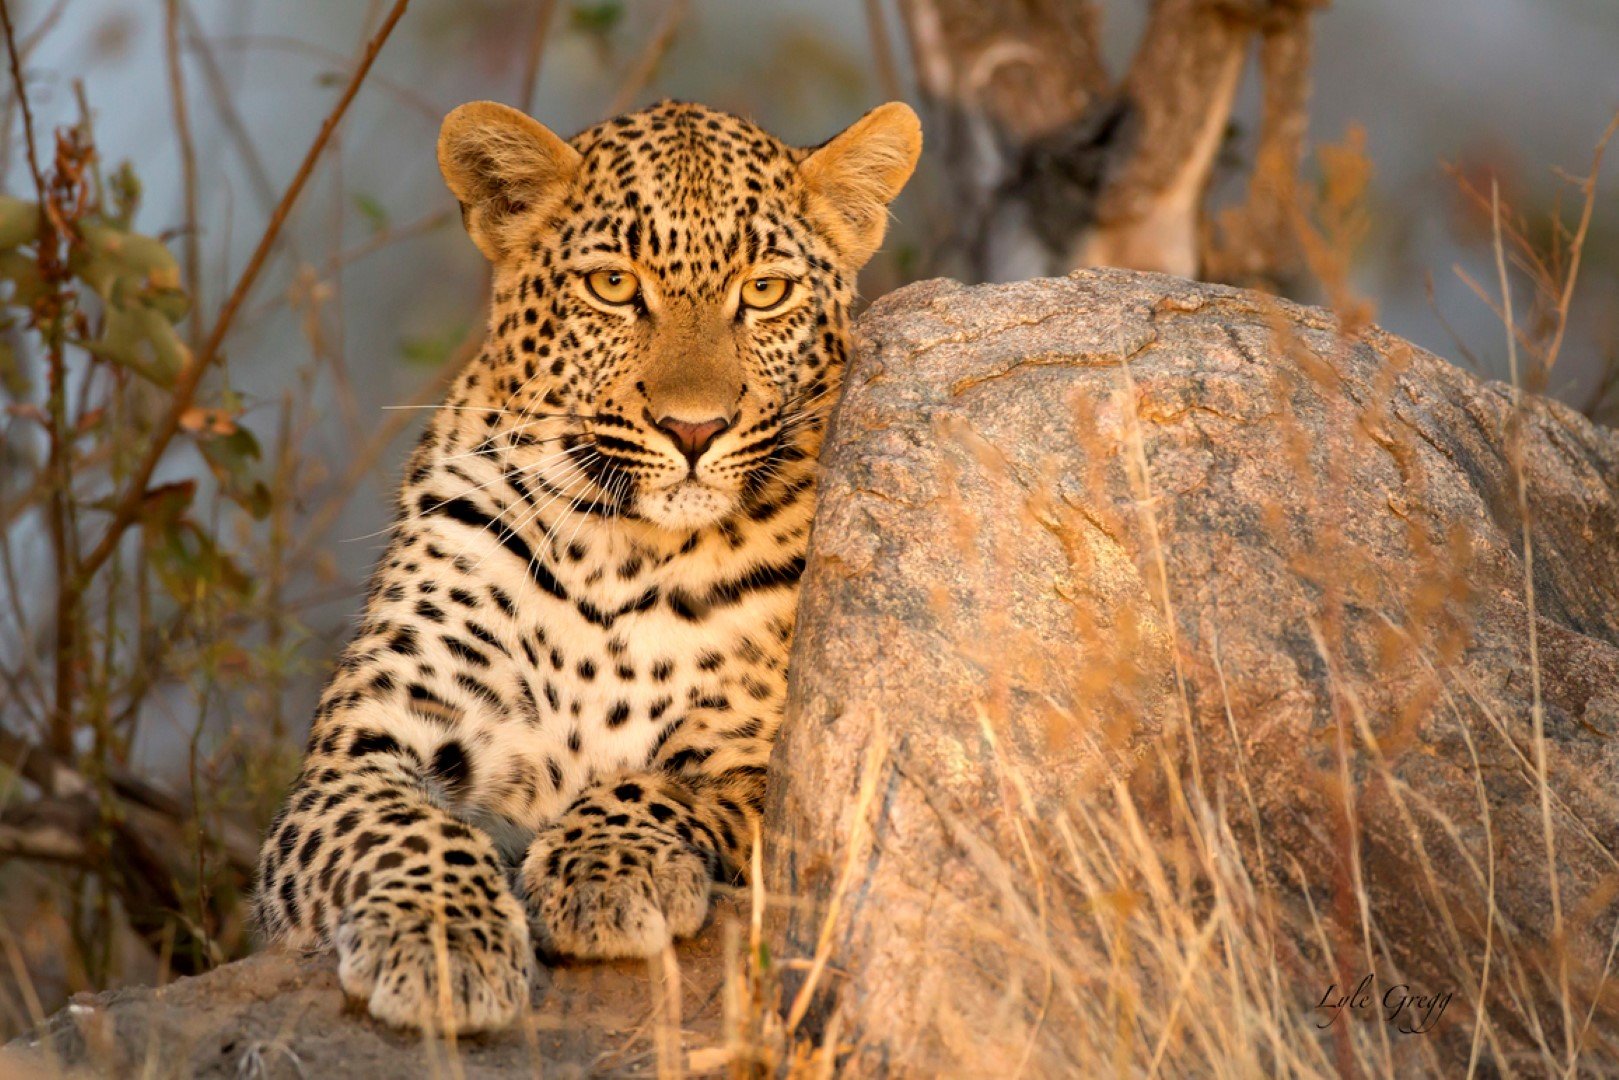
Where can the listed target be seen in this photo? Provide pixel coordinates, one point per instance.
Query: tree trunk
(1049, 165)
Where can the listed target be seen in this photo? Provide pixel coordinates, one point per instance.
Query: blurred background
(163, 636)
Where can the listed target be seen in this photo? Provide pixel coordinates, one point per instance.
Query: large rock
(1166, 657)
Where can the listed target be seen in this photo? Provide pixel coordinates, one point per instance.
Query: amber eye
(766, 292)
(613, 286)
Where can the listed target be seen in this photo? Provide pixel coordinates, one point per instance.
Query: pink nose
(693, 439)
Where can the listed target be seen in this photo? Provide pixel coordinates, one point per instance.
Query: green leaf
(164, 504)
(233, 458)
(125, 187)
(19, 222)
(375, 214)
(22, 270)
(434, 350)
(172, 304)
(596, 18)
(256, 500)
(12, 378)
(239, 446)
(190, 564)
(143, 340)
(125, 266)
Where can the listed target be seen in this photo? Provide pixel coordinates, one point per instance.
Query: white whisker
(527, 519)
(417, 515)
(492, 409)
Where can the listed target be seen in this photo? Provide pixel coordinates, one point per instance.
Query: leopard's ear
(504, 168)
(851, 179)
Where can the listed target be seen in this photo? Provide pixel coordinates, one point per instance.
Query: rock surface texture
(1169, 661)
(1143, 620)
(282, 1014)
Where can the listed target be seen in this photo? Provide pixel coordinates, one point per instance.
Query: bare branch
(366, 459)
(220, 95)
(996, 79)
(1588, 190)
(27, 46)
(399, 91)
(1180, 88)
(544, 14)
(188, 165)
(129, 504)
(1256, 243)
(882, 51)
(646, 64)
(1052, 167)
(56, 777)
(46, 843)
(22, 103)
(1030, 68)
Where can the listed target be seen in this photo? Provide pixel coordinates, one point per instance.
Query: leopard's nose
(693, 439)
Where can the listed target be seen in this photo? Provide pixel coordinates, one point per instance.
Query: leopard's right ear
(504, 168)
(852, 178)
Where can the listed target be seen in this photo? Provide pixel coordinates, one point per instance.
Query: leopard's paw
(600, 892)
(444, 961)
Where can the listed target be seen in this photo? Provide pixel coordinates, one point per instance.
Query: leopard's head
(671, 293)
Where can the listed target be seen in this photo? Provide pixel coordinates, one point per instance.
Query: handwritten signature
(1410, 1013)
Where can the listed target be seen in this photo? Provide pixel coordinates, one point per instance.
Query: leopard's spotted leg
(427, 931)
(628, 867)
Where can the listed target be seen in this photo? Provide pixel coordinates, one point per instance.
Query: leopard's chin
(686, 506)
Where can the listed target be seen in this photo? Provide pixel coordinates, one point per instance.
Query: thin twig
(383, 238)
(646, 64)
(543, 17)
(1577, 246)
(18, 54)
(283, 487)
(22, 103)
(48, 314)
(188, 166)
(185, 389)
(367, 457)
(1461, 346)
(219, 93)
(882, 51)
(46, 24)
(406, 96)
(342, 260)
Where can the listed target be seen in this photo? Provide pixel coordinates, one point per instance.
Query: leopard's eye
(613, 286)
(764, 293)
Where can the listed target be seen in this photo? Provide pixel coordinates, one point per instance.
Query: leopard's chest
(612, 672)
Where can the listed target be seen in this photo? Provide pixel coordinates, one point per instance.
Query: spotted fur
(551, 730)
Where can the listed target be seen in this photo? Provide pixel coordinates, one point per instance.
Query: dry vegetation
(152, 523)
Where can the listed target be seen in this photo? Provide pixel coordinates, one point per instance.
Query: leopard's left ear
(852, 179)
(504, 167)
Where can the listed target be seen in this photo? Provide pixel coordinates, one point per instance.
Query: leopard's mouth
(624, 483)
(687, 504)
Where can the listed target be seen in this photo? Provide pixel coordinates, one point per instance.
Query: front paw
(442, 962)
(600, 892)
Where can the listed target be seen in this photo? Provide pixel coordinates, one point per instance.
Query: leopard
(550, 734)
